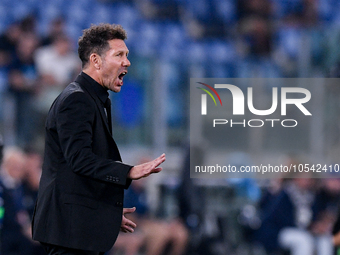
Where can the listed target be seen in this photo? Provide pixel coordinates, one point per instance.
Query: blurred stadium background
(171, 41)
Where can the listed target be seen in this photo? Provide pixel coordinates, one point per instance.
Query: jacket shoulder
(73, 92)
(73, 87)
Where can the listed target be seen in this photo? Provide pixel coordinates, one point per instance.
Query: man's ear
(96, 61)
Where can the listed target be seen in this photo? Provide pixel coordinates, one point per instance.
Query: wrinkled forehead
(118, 45)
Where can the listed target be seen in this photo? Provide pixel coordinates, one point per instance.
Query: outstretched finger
(159, 160)
(129, 210)
(162, 157)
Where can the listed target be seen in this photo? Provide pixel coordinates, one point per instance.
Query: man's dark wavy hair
(95, 40)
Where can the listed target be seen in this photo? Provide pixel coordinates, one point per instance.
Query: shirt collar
(95, 87)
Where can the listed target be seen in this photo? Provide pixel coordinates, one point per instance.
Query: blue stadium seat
(222, 52)
(196, 52)
(126, 15)
(289, 40)
(149, 39)
(226, 10)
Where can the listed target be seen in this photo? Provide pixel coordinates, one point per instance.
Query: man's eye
(121, 54)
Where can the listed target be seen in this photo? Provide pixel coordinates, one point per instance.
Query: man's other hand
(128, 226)
(145, 169)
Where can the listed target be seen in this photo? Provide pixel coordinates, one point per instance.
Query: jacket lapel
(80, 80)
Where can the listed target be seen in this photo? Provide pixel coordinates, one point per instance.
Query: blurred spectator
(310, 12)
(4, 69)
(57, 65)
(8, 43)
(1, 149)
(2, 208)
(9, 39)
(156, 234)
(336, 235)
(57, 27)
(254, 27)
(326, 209)
(202, 21)
(326, 206)
(22, 85)
(287, 221)
(15, 234)
(28, 24)
(190, 197)
(129, 244)
(189, 194)
(156, 10)
(305, 12)
(257, 36)
(32, 169)
(254, 8)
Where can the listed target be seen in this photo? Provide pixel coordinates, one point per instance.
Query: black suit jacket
(81, 191)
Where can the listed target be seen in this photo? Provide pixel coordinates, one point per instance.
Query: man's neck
(93, 74)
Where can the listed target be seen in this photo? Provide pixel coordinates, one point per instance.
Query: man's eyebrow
(122, 51)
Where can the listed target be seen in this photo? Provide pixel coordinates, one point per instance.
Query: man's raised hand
(145, 169)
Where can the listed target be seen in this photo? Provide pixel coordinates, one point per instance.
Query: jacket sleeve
(75, 117)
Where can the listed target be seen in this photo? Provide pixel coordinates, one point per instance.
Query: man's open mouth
(121, 75)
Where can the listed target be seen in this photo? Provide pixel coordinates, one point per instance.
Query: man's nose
(126, 62)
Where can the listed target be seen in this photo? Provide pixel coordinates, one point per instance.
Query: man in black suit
(79, 209)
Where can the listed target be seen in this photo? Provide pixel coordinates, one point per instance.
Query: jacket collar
(97, 92)
(93, 87)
